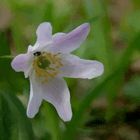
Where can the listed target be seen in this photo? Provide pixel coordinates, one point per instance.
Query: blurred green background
(105, 108)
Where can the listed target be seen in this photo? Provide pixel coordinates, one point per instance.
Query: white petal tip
(43, 29)
(67, 118)
(65, 112)
(44, 33)
(99, 70)
(29, 115)
(13, 65)
(43, 26)
(86, 26)
(16, 65)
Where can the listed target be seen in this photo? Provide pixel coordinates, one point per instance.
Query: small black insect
(37, 53)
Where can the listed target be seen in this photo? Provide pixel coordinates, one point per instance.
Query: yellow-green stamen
(46, 65)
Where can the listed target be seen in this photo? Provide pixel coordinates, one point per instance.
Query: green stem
(6, 57)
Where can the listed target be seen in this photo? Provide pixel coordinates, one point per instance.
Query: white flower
(48, 61)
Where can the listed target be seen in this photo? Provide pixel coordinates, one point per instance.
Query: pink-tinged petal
(58, 36)
(70, 41)
(22, 63)
(78, 68)
(44, 33)
(55, 92)
(34, 100)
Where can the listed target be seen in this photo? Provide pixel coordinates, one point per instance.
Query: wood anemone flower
(48, 61)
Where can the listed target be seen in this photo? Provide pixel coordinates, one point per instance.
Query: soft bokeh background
(105, 108)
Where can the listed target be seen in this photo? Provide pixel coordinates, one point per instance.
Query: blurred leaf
(136, 3)
(132, 89)
(134, 20)
(13, 121)
(9, 78)
(136, 42)
(52, 121)
(4, 48)
(49, 11)
(7, 123)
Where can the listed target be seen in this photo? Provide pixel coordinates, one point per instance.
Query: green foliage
(134, 21)
(13, 121)
(4, 42)
(114, 39)
(132, 90)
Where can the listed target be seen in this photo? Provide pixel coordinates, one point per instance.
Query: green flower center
(43, 62)
(46, 65)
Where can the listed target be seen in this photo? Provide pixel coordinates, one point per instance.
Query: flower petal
(79, 68)
(55, 92)
(22, 63)
(58, 36)
(71, 41)
(34, 100)
(44, 33)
